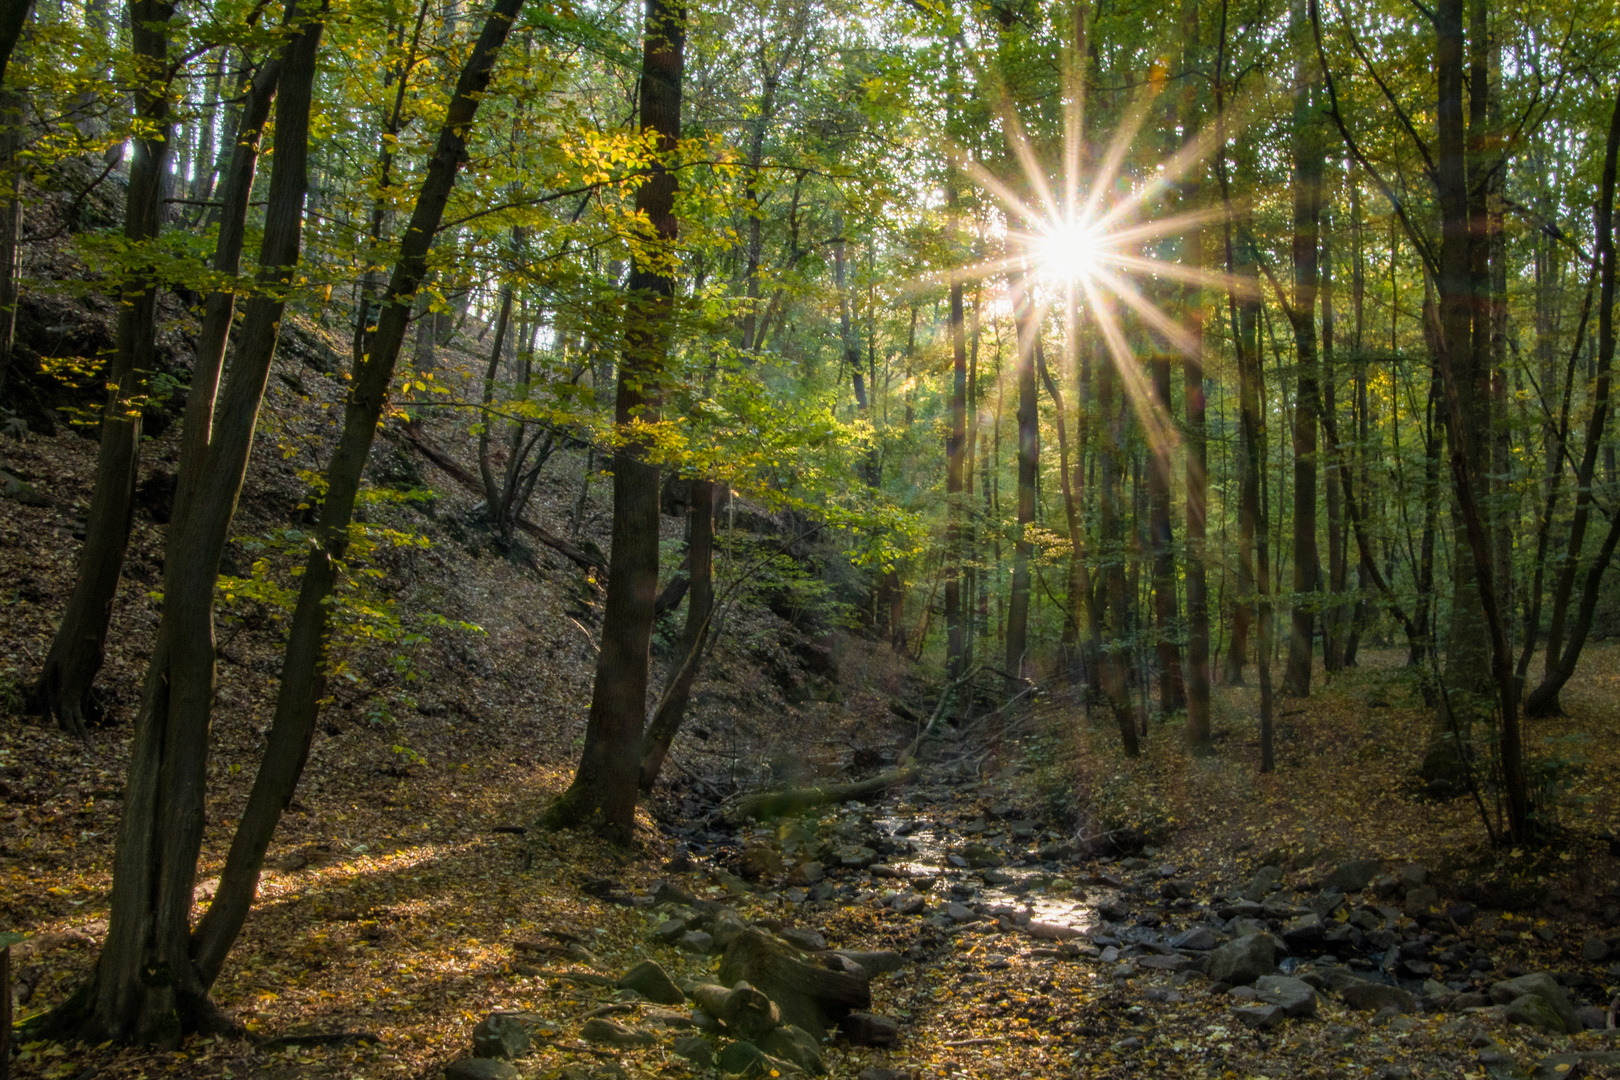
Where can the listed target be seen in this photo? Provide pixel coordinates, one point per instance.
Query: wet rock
(1543, 986)
(1293, 997)
(696, 941)
(1353, 876)
(865, 1029)
(695, 1050)
(1258, 1016)
(610, 1033)
(653, 983)
(501, 1035)
(479, 1068)
(1242, 961)
(1371, 996)
(796, 1045)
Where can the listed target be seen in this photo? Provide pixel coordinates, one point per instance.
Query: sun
(1069, 252)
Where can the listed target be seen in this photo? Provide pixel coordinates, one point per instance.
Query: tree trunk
(1335, 614)
(1029, 453)
(955, 450)
(12, 21)
(1161, 538)
(603, 793)
(63, 690)
(303, 671)
(666, 719)
(1308, 168)
(1560, 666)
(1116, 657)
(160, 833)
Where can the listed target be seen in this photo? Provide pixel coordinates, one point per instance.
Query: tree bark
(666, 718)
(1116, 657)
(63, 690)
(1161, 537)
(603, 793)
(1029, 452)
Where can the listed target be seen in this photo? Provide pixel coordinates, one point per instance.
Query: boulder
(653, 983)
(1531, 1010)
(864, 1029)
(609, 1033)
(1258, 1016)
(670, 930)
(1353, 876)
(1595, 950)
(479, 1068)
(1242, 961)
(1581, 1063)
(726, 925)
(1264, 881)
(878, 962)
(1293, 997)
(501, 1035)
(759, 861)
(1419, 900)
(746, 1059)
(696, 941)
(796, 1045)
(1198, 939)
(981, 856)
(1304, 931)
(1371, 996)
(1544, 986)
(809, 940)
(808, 995)
(695, 1050)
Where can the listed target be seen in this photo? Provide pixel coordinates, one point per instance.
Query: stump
(808, 995)
(745, 1012)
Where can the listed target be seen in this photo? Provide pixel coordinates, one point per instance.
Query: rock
(809, 940)
(726, 926)
(695, 1050)
(1595, 950)
(670, 930)
(807, 873)
(1368, 996)
(653, 983)
(746, 1059)
(696, 941)
(880, 962)
(1561, 1066)
(961, 913)
(1532, 1010)
(1293, 997)
(760, 861)
(1541, 985)
(864, 1029)
(1046, 931)
(1303, 931)
(877, 1072)
(910, 904)
(796, 1045)
(808, 995)
(1258, 1016)
(609, 1033)
(1242, 961)
(855, 856)
(1353, 876)
(501, 1035)
(1419, 900)
(1265, 880)
(1198, 939)
(1595, 1017)
(1412, 875)
(981, 856)
(667, 893)
(480, 1068)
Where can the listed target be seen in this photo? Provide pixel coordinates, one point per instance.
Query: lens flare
(1071, 251)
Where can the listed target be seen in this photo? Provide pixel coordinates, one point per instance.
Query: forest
(777, 537)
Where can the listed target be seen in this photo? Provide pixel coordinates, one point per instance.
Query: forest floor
(407, 895)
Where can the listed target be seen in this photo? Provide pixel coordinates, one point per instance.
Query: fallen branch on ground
(767, 804)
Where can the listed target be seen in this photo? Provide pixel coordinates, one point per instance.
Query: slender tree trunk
(1029, 454)
(1161, 535)
(160, 834)
(303, 670)
(955, 452)
(1336, 615)
(63, 690)
(603, 793)
(1561, 661)
(1308, 168)
(1116, 658)
(666, 719)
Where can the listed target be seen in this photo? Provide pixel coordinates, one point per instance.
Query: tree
(603, 793)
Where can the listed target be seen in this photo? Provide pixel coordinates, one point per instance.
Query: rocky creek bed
(942, 931)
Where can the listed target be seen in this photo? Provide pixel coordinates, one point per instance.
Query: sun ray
(1167, 328)
(1155, 424)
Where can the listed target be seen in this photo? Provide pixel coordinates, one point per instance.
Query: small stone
(875, 962)
(878, 1072)
(609, 1033)
(671, 929)
(796, 1045)
(501, 1035)
(1258, 1016)
(746, 1059)
(760, 861)
(697, 941)
(809, 940)
(961, 913)
(695, 1050)
(981, 856)
(808, 873)
(865, 1029)
(1265, 880)
(910, 904)
(1370, 996)
(480, 1069)
(1198, 939)
(1305, 930)
(1413, 875)
(1047, 931)
(1353, 876)
(1595, 1017)
(1595, 950)
(653, 983)
(1420, 899)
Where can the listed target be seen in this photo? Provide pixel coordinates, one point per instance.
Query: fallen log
(447, 465)
(743, 1011)
(768, 804)
(806, 995)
